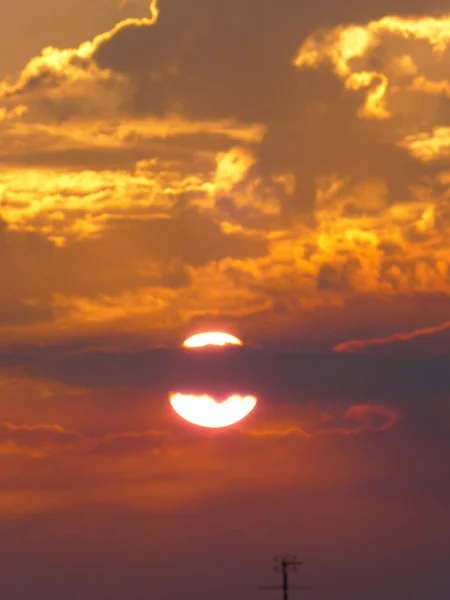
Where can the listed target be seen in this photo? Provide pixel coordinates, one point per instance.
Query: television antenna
(284, 564)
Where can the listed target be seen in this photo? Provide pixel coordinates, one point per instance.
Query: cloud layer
(147, 178)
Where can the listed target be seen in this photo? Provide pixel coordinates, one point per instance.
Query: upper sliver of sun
(211, 338)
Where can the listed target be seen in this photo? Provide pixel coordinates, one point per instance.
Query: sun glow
(207, 412)
(211, 338)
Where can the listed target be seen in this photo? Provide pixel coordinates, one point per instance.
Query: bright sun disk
(207, 412)
(211, 338)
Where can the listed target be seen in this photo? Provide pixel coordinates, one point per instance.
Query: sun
(211, 338)
(205, 411)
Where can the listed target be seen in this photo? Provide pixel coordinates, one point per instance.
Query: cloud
(368, 417)
(192, 190)
(430, 146)
(154, 252)
(133, 442)
(39, 441)
(366, 345)
(17, 111)
(44, 441)
(325, 382)
(179, 173)
(70, 72)
(387, 59)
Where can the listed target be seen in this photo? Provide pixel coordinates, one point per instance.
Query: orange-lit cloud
(232, 167)
(362, 345)
(407, 72)
(38, 441)
(345, 43)
(71, 63)
(429, 146)
(360, 244)
(41, 441)
(366, 417)
(69, 83)
(44, 441)
(375, 101)
(17, 111)
(272, 213)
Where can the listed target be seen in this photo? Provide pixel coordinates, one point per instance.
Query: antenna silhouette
(282, 564)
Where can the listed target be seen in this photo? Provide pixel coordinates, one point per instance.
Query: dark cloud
(16, 311)
(414, 385)
(202, 53)
(200, 69)
(338, 277)
(132, 442)
(201, 66)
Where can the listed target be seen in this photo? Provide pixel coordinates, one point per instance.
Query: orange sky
(279, 171)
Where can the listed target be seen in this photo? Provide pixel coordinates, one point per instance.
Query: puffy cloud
(69, 76)
(401, 62)
(226, 258)
(430, 146)
(17, 111)
(232, 167)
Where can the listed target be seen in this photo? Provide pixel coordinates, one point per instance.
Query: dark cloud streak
(414, 385)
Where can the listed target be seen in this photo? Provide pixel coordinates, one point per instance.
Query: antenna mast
(283, 564)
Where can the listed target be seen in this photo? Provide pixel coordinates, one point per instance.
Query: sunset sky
(274, 169)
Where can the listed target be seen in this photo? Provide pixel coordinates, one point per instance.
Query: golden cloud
(232, 167)
(429, 146)
(359, 244)
(74, 204)
(375, 101)
(121, 133)
(404, 75)
(343, 44)
(14, 113)
(54, 67)
(213, 215)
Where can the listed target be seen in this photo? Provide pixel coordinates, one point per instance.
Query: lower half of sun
(206, 411)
